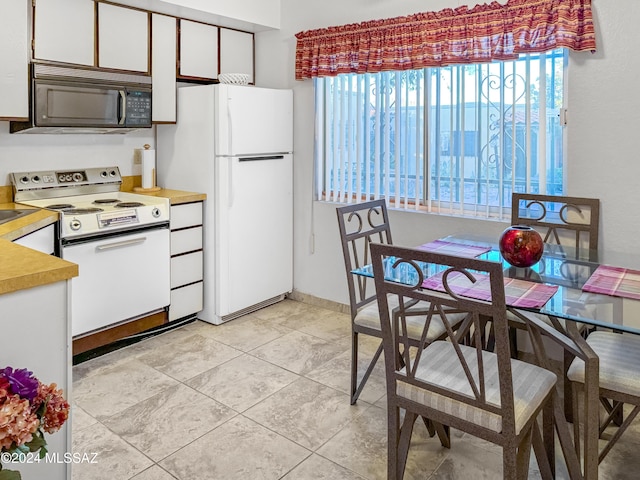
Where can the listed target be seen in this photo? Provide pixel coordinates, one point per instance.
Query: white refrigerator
(235, 144)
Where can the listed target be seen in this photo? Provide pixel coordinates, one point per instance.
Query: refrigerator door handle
(262, 157)
(230, 186)
(230, 125)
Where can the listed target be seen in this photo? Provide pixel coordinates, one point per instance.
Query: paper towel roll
(148, 168)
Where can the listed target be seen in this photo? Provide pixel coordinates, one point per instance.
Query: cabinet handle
(125, 243)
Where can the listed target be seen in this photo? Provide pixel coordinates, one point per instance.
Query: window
(457, 139)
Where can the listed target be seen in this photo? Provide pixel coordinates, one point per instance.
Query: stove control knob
(103, 174)
(155, 212)
(24, 179)
(35, 179)
(75, 224)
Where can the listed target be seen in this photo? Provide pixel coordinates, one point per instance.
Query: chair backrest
(361, 224)
(568, 221)
(475, 373)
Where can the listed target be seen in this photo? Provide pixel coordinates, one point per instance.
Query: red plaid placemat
(518, 293)
(454, 248)
(615, 281)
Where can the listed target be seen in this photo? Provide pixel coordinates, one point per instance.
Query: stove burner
(105, 201)
(59, 206)
(82, 211)
(129, 204)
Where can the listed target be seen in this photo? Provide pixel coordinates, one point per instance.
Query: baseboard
(318, 302)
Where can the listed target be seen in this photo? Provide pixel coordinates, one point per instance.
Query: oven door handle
(125, 243)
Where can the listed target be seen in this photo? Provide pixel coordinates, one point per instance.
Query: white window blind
(457, 140)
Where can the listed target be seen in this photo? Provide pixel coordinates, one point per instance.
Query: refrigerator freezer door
(254, 257)
(253, 120)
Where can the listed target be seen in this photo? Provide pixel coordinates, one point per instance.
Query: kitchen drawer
(186, 301)
(187, 240)
(186, 215)
(186, 269)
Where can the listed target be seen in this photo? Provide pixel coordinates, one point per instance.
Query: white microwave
(73, 100)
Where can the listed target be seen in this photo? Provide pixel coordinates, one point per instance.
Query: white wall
(29, 152)
(251, 15)
(263, 12)
(604, 110)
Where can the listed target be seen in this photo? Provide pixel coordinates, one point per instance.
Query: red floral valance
(483, 33)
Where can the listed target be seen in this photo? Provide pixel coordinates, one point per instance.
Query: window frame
(424, 201)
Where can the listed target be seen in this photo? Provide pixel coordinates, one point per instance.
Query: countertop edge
(176, 197)
(26, 224)
(24, 268)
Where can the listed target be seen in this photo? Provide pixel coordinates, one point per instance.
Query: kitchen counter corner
(27, 224)
(177, 197)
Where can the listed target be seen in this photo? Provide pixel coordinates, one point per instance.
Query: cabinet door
(236, 52)
(14, 60)
(186, 301)
(123, 38)
(64, 31)
(163, 68)
(41, 240)
(198, 50)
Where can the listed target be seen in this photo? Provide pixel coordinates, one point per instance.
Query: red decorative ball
(521, 246)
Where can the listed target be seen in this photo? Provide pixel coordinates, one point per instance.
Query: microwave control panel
(138, 107)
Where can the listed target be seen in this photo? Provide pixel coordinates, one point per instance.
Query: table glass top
(558, 267)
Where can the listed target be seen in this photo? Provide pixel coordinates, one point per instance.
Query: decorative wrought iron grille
(456, 139)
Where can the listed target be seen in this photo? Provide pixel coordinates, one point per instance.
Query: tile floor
(262, 397)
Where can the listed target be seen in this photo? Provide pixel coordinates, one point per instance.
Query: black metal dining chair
(619, 383)
(360, 225)
(486, 394)
(571, 223)
(564, 221)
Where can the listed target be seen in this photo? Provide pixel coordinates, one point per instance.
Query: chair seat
(619, 356)
(440, 366)
(370, 317)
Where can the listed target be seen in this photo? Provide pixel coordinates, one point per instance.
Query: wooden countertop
(176, 197)
(22, 268)
(26, 224)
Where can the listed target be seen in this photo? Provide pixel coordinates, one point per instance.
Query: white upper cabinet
(123, 38)
(163, 68)
(64, 31)
(236, 52)
(198, 50)
(14, 59)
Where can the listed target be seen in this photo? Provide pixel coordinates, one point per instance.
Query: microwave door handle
(123, 107)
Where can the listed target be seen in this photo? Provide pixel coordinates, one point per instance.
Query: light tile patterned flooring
(262, 397)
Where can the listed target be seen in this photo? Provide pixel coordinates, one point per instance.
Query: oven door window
(59, 105)
(121, 278)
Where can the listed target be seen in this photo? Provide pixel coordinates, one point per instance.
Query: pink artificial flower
(17, 421)
(57, 408)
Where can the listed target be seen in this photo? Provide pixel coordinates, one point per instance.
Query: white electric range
(119, 240)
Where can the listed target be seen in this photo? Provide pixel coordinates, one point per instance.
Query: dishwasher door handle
(125, 243)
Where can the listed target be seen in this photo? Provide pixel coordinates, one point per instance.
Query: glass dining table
(579, 299)
(559, 267)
